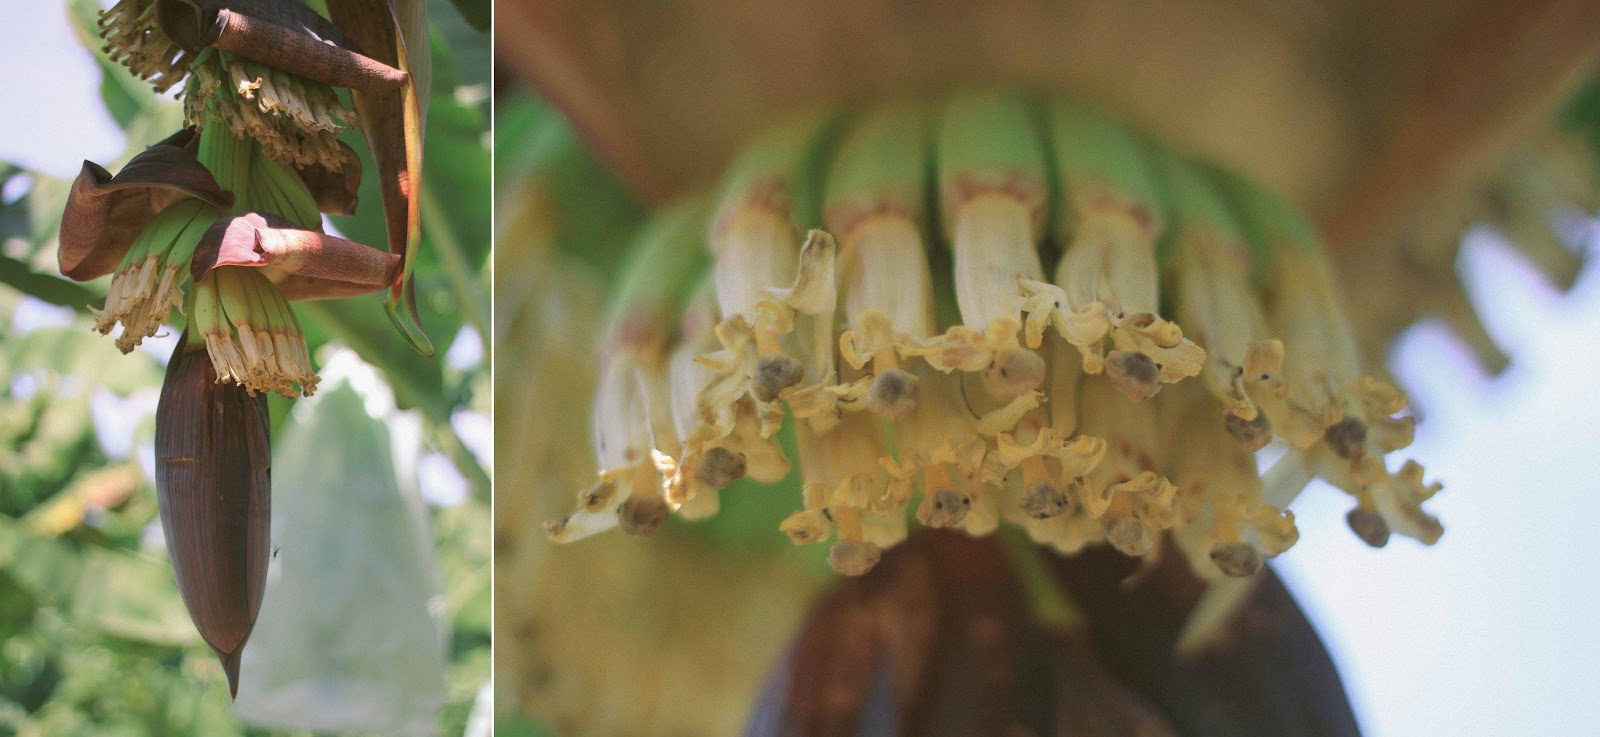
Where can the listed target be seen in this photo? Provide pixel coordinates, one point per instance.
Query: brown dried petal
(719, 467)
(213, 485)
(1348, 438)
(774, 374)
(318, 265)
(105, 213)
(893, 393)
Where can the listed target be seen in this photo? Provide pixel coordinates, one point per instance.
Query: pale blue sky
(53, 118)
(1494, 631)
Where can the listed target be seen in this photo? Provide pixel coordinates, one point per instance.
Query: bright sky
(1493, 631)
(53, 118)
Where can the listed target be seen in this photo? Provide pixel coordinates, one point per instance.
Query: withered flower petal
(938, 639)
(105, 213)
(213, 484)
(822, 685)
(315, 265)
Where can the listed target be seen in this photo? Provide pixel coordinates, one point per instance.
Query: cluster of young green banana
(149, 282)
(913, 337)
(251, 334)
(250, 331)
(296, 121)
(274, 187)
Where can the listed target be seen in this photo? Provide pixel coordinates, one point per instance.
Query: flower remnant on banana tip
(1109, 215)
(635, 439)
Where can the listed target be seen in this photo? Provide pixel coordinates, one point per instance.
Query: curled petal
(193, 24)
(316, 265)
(297, 53)
(105, 213)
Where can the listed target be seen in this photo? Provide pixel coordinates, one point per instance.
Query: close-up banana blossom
(953, 367)
(963, 364)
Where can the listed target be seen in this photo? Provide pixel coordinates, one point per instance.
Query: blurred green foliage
(93, 637)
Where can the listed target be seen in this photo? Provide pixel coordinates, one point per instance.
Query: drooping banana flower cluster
(223, 222)
(878, 281)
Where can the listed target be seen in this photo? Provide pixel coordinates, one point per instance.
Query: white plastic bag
(349, 636)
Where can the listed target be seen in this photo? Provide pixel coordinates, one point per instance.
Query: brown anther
(1252, 434)
(642, 514)
(719, 467)
(1347, 437)
(1127, 534)
(1014, 372)
(853, 557)
(893, 393)
(1044, 500)
(773, 375)
(1236, 559)
(943, 508)
(1133, 374)
(1368, 526)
